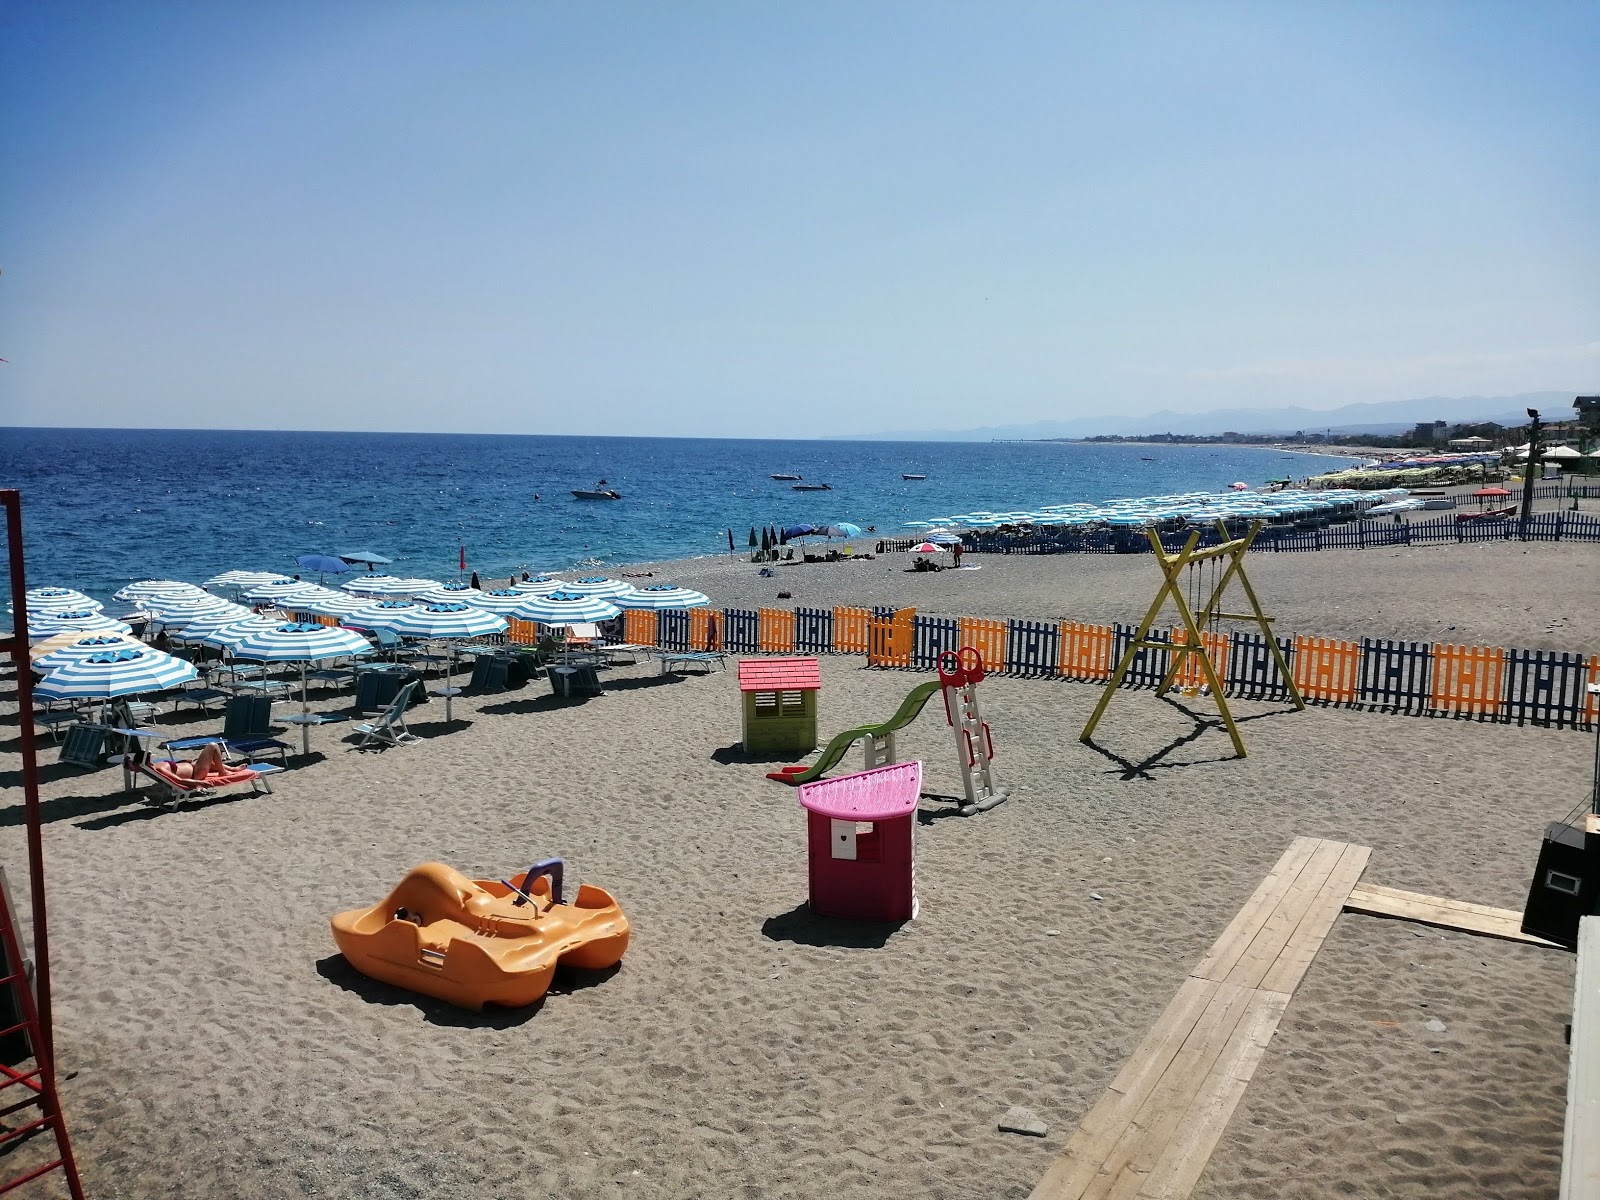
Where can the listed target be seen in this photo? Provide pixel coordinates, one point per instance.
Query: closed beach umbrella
(660, 596)
(567, 608)
(134, 592)
(72, 621)
(447, 621)
(301, 642)
(63, 648)
(753, 541)
(597, 585)
(124, 671)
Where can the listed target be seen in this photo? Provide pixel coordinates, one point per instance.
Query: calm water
(102, 507)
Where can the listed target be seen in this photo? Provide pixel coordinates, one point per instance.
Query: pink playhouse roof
(779, 675)
(874, 795)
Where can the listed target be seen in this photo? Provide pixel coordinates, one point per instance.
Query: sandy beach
(218, 1046)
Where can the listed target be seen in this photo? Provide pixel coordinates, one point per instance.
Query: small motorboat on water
(813, 487)
(787, 477)
(905, 476)
(599, 491)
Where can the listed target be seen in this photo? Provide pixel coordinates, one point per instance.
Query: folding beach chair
(84, 745)
(390, 729)
(245, 749)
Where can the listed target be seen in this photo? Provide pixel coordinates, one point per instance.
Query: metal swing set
(1230, 551)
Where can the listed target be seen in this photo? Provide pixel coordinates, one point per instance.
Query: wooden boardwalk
(1580, 1155)
(1153, 1131)
(1504, 923)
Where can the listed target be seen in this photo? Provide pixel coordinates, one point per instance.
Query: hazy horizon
(821, 219)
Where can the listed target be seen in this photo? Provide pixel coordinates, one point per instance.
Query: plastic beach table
(306, 721)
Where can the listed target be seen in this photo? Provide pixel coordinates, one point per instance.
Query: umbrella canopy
(294, 641)
(127, 671)
(507, 602)
(56, 599)
(944, 539)
(225, 636)
(63, 648)
(926, 548)
(185, 604)
(1239, 486)
(449, 593)
(334, 604)
(443, 621)
(597, 585)
(277, 591)
(388, 585)
(155, 587)
(1561, 452)
(843, 529)
(222, 613)
(540, 585)
(323, 564)
(242, 579)
(72, 621)
(376, 615)
(662, 595)
(799, 530)
(1491, 492)
(567, 608)
(365, 558)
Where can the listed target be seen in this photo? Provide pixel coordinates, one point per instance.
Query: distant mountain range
(1392, 416)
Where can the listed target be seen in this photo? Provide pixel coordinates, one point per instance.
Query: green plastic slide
(840, 745)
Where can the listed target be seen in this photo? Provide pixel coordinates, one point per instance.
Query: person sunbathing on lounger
(206, 764)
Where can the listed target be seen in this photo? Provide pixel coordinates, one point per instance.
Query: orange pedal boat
(482, 941)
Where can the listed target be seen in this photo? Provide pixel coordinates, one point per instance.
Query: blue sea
(102, 507)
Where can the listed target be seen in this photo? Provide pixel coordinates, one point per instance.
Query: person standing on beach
(955, 553)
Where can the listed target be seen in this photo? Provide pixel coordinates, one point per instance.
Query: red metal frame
(41, 1080)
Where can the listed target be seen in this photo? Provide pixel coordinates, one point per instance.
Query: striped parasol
(540, 585)
(277, 591)
(376, 585)
(127, 671)
(334, 604)
(244, 579)
(449, 593)
(301, 642)
(54, 599)
(660, 596)
(225, 636)
(174, 609)
(445, 621)
(507, 602)
(597, 585)
(63, 648)
(375, 615)
(567, 608)
(73, 621)
(134, 592)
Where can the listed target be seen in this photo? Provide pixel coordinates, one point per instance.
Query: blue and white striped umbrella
(225, 636)
(376, 614)
(181, 619)
(376, 585)
(449, 593)
(85, 646)
(293, 641)
(540, 585)
(185, 605)
(443, 621)
(244, 579)
(567, 608)
(54, 599)
(72, 621)
(370, 584)
(113, 673)
(332, 605)
(155, 587)
(660, 596)
(597, 585)
(276, 591)
(507, 602)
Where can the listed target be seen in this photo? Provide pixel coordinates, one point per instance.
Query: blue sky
(786, 218)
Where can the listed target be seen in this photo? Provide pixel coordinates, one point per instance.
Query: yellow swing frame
(1172, 567)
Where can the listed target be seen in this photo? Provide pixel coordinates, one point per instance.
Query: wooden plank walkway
(1152, 1133)
(1580, 1153)
(1504, 923)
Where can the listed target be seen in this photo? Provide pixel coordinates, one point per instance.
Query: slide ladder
(960, 673)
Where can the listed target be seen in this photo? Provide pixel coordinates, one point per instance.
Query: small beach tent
(780, 704)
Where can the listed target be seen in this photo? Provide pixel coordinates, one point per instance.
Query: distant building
(1588, 410)
(1428, 431)
(1470, 443)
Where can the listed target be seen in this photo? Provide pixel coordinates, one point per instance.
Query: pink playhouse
(859, 834)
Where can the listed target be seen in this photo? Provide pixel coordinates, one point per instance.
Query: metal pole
(30, 770)
(1535, 427)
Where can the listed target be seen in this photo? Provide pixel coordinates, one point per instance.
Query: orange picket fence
(1467, 679)
(1191, 674)
(1327, 668)
(705, 630)
(988, 638)
(777, 631)
(523, 633)
(890, 638)
(850, 630)
(639, 626)
(1085, 650)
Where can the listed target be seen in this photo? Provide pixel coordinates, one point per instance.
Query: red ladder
(39, 1083)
